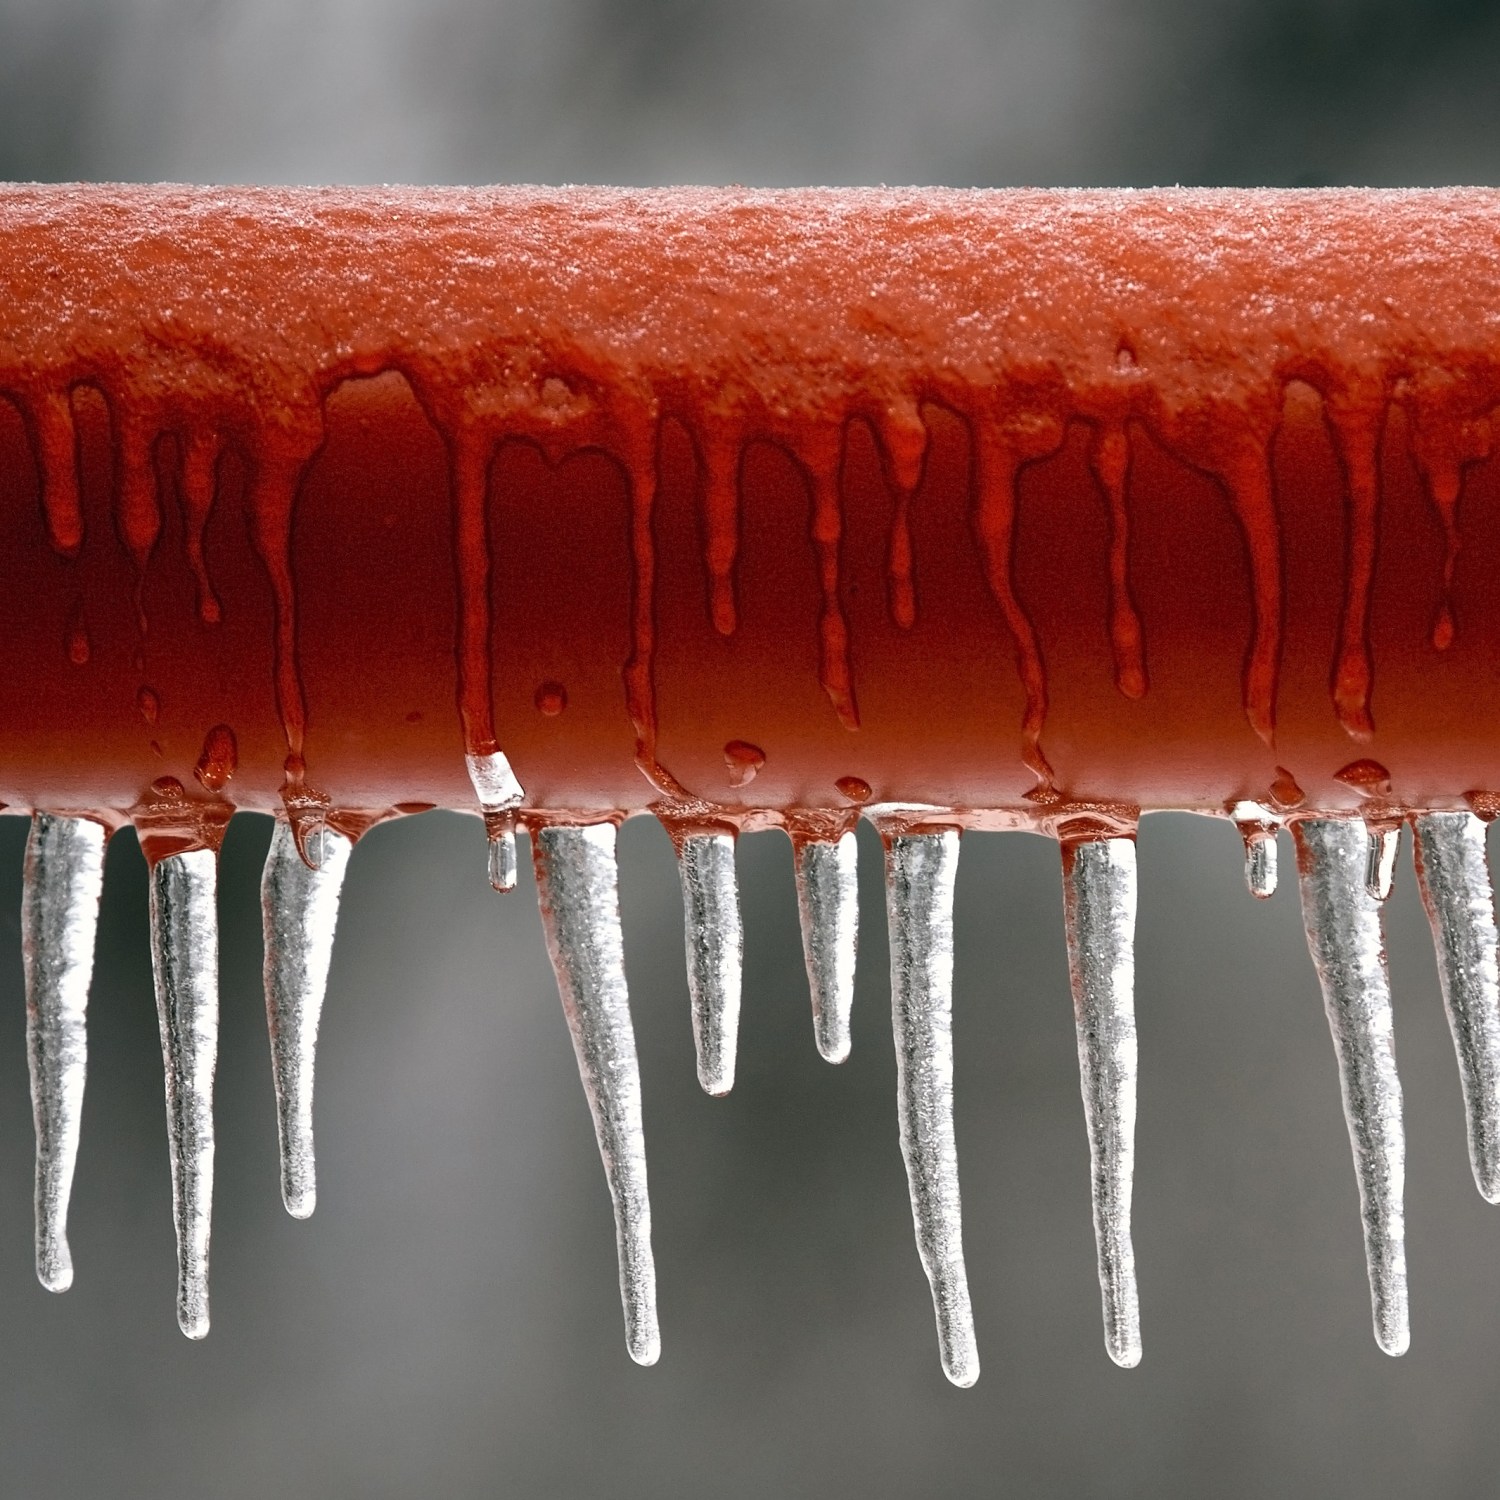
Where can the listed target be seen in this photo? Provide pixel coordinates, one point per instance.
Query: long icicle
(920, 872)
(1343, 922)
(299, 911)
(578, 891)
(715, 951)
(1099, 901)
(185, 956)
(1455, 885)
(828, 904)
(59, 919)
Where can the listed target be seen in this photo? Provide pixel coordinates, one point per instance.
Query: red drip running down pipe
(951, 510)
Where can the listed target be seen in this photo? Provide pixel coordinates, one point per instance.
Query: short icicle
(1348, 950)
(1260, 865)
(499, 795)
(299, 910)
(1258, 828)
(59, 918)
(578, 891)
(1380, 861)
(1099, 901)
(185, 956)
(1455, 885)
(715, 949)
(828, 903)
(920, 871)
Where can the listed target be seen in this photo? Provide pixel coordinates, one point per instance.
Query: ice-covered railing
(945, 510)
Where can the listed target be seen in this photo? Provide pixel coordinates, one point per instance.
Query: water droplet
(743, 761)
(551, 698)
(855, 788)
(219, 760)
(148, 704)
(414, 717)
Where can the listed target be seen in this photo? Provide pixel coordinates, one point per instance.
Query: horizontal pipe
(1037, 508)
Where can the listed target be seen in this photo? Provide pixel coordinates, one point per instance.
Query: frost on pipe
(954, 510)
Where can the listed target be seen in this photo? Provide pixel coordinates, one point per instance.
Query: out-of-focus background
(448, 1322)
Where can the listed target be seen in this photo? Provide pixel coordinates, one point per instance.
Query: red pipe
(1029, 506)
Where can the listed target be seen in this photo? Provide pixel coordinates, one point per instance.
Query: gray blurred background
(448, 1323)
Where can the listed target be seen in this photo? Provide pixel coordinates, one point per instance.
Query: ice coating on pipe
(221, 324)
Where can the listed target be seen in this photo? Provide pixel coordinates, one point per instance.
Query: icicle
(1099, 900)
(1258, 828)
(1348, 951)
(578, 890)
(1455, 885)
(501, 866)
(920, 870)
(185, 955)
(59, 917)
(1260, 865)
(828, 901)
(1380, 861)
(711, 912)
(299, 909)
(499, 795)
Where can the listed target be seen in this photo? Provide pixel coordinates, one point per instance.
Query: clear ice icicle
(299, 910)
(502, 858)
(1455, 884)
(1380, 861)
(715, 949)
(828, 903)
(185, 956)
(920, 871)
(1099, 902)
(1260, 865)
(578, 891)
(499, 794)
(1258, 828)
(1344, 936)
(59, 917)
